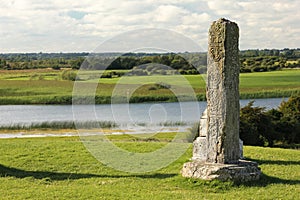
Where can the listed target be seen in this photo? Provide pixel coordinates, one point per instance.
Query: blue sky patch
(76, 14)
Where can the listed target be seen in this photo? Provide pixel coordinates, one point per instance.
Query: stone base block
(199, 149)
(243, 171)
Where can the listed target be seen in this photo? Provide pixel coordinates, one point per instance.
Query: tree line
(149, 63)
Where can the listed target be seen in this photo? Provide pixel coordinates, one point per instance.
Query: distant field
(62, 168)
(47, 87)
(32, 74)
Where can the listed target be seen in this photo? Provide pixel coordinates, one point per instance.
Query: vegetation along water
(18, 87)
(48, 78)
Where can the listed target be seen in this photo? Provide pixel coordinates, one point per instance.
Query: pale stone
(218, 148)
(242, 171)
(241, 143)
(200, 144)
(223, 93)
(200, 149)
(203, 124)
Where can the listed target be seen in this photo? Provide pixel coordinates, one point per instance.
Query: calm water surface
(120, 113)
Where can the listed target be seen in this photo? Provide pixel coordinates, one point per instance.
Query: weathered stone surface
(241, 144)
(200, 144)
(218, 148)
(243, 171)
(203, 124)
(200, 149)
(223, 93)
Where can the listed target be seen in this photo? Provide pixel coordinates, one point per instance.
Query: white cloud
(223, 7)
(47, 25)
(169, 13)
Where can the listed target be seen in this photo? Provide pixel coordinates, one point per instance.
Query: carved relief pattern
(217, 37)
(222, 92)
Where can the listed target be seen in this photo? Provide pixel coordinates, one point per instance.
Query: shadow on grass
(266, 179)
(19, 173)
(275, 162)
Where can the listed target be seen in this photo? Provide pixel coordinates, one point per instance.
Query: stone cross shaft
(222, 93)
(217, 150)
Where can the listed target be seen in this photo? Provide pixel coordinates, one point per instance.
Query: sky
(81, 26)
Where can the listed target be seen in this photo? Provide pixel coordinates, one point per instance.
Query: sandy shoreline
(72, 133)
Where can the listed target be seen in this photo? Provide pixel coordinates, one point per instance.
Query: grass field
(46, 87)
(61, 168)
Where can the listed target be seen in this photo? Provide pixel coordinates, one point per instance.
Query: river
(149, 113)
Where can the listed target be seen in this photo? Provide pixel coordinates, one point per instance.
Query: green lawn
(62, 168)
(19, 88)
(286, 78)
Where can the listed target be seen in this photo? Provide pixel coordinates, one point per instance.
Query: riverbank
(20, 90)
(142, 131)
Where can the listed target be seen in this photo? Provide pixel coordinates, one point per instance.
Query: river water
(149, 113)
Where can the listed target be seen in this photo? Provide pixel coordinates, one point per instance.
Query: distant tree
(75, 64)
(56, 67)
(69, 75)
